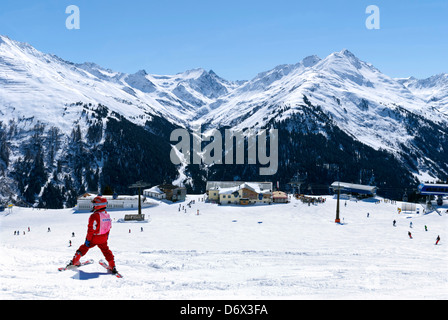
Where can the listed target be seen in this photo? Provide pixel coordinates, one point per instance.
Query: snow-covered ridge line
(31, 79)
(406, 117)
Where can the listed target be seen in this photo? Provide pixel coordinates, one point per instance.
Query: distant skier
(98, 230)
(394, 223)
(410, 225)
(426, 228)
(409, 234)
(437, 240)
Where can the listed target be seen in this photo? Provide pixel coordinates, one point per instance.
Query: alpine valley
(67, 128)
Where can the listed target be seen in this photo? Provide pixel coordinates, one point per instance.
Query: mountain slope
(354, 93)
(44, 84)
(362, 102)
(433, 90)
(66, 128)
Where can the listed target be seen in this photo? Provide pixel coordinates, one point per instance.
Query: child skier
(98, 229)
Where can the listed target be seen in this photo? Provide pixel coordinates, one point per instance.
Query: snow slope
(434, 90)
(226, 253)
(40, 85)
(356, 94)
(358, 97)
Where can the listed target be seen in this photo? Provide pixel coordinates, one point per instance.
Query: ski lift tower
(337, 187)
(139, 185)
(297, 182)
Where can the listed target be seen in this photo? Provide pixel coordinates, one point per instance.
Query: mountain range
(66, 128)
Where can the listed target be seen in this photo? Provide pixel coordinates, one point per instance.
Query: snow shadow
(82, 275)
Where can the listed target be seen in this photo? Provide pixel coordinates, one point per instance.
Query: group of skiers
(99, 227)
(141, 230)
(310, 200)
(98, 230)
(184, 209)
(437, 239)
(17, 232)
(411, 225)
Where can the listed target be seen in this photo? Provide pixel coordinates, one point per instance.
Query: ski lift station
(433, 189)
(438, 190)
(358, 190)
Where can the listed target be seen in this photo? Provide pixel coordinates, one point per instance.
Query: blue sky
(237, 39)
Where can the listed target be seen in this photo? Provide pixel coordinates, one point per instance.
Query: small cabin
(279, 197)
(154, 193)
(167, 191)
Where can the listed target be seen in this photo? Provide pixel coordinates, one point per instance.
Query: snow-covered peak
(434, 90)
(140, 81)
(310, 61)
(436, 81)
(2, 39)
(141, 73)
(342, 61)
(205, 83)
(357, 96)
(347, 53)
(35, 83)
(21, 49)
(6, 41)
(98, 71)
(192, 74)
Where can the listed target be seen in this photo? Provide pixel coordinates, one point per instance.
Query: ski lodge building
(155, 193)
(113, 202)
(238, 192)
(166, 191)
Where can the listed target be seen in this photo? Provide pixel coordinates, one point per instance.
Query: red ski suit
(97, 235)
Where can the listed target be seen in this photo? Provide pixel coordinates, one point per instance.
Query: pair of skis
(101, 262)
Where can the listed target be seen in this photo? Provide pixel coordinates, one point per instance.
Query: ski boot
(114, 271)
(74, 263)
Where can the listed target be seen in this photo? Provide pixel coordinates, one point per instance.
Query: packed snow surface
(278, 251)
